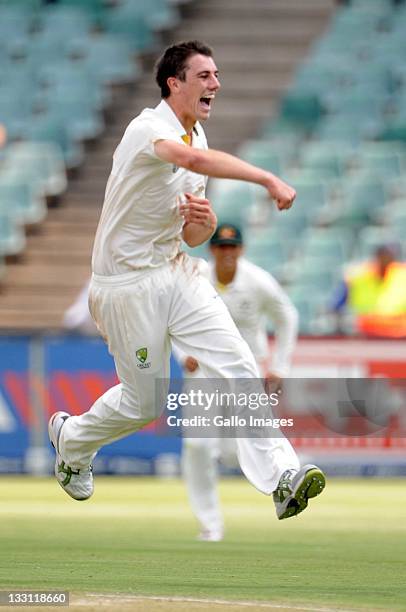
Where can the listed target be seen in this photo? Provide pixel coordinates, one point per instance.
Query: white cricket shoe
(78, 483)
(210, 535)
(295, 488)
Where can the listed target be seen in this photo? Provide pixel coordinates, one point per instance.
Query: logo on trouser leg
(142, 354)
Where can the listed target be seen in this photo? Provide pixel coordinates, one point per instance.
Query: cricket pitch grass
(132, 546)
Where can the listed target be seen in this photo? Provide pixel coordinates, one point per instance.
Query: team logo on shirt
(142, 354)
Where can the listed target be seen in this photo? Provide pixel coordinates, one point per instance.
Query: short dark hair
(173, 61)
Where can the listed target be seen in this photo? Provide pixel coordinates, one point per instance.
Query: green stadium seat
(330, 246)
(161, 14)
(348, 128)
(353, 104)
(201, 251)
(232, 201)
(395, 221)
(316, 77)
(95, 8)
(76, 112)
(46, 128)
(370, 238)
(12, 237)
(314, 276)
(272, 234)
(38, 163)
(67, 79)
(44, 48)
(259, 249)
(395, 130)
(110, 57)
(65, 20)
(303, 108)
(331, 158)
(262, 154)
(22, 6)
(382, 161)
(15, 112)
(2, 268)
(291, 222)
(360, 198)
(279, 129)
(22, 200)
(132, 24)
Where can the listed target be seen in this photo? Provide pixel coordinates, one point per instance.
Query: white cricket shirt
(140, 225)
(253, 297)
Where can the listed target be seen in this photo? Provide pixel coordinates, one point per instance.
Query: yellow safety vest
(379, 302)
(369, 293)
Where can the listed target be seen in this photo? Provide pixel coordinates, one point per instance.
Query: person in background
(375, 293)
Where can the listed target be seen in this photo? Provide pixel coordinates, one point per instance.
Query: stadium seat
(395, 221)
(370, 238)
(67, 79)
(261, 153)
(38, 163)
(349, 128)
(328, 245)
(132, 24)
(46, 128)
(22, 200)
(76, 112)
(66, 21)
(95, 8)
(328, 158)
(266, 253)
(12, 237)
(110, 58)
(291, 222)
(201, 251)
(303, 108)
(23, 6)
(382, 162)
(359, 200)
(232, 201)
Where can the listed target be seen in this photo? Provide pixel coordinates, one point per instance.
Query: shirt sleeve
(140, 137)
(279, 308)
(156, 131)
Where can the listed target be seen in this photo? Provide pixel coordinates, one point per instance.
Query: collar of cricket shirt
(167, 113)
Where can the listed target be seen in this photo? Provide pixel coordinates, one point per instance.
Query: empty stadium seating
(58, 63)
(347, 162)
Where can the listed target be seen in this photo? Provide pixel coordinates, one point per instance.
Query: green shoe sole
(311, 485)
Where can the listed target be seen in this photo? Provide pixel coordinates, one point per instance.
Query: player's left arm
(279, 308)
(200, 220)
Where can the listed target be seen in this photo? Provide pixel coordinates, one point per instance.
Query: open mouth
(205, 101)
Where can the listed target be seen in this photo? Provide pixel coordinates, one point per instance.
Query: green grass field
(136, 536)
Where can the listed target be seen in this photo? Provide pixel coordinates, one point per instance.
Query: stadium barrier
(40, 374)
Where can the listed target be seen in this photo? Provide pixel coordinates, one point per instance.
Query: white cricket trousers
(145, 309)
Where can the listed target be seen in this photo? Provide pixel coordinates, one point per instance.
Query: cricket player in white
(253, 297)
(145, 292)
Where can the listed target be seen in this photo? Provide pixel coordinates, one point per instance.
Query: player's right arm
(218, 164)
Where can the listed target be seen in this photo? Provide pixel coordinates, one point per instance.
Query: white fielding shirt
(140, 225)
(253, 298)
